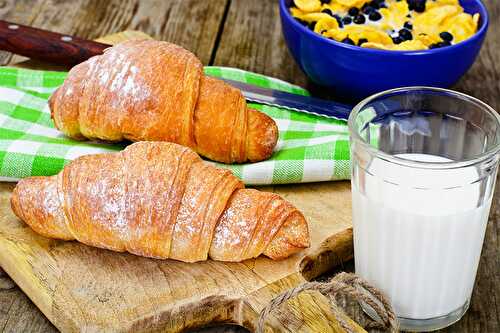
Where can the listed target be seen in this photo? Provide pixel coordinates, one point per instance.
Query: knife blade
(58, 48)
(294, 102)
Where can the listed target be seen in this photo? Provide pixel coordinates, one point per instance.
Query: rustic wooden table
(244, 34)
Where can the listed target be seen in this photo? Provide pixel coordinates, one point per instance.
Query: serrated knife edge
(294, 102)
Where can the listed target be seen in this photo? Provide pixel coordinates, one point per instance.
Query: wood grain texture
(190, 23)
(252, 40)
(246, 33)
(126, 293)
(483, 82)
(83, 289)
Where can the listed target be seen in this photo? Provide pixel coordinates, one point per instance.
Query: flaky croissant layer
(160, 200)
(156, 91)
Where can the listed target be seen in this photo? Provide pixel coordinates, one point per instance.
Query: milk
(420, 246)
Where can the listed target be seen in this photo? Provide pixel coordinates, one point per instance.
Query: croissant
(156, 91)
(160, 200)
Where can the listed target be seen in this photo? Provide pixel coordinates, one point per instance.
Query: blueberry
(367, 9)
(446, 43)
(446, 36)
(405, 34)
(397, 40)
(325, 1)
(361, 41)
(347, 20)
(327, 11)
(374, 16)
(417, 5)
(439, 45)
(420, 8)
(353, 11)
(347, 40)
(360, 19)
(408, 25)
(377, 4)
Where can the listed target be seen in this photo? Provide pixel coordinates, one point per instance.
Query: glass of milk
(424, 165)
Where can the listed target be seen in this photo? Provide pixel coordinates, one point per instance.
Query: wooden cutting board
(84, 289)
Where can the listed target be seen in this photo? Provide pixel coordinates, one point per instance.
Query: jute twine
(348, 285)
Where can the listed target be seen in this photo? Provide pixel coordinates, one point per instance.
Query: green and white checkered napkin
(309, 149)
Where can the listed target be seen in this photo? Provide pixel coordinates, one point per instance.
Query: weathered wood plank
(483, 82)
(252, 40)
(18, 314)
(33, 287)
(190, 23)
(165, 20)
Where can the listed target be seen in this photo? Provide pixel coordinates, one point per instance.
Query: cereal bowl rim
(479, 34)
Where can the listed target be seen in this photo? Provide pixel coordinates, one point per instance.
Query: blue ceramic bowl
(354, 72)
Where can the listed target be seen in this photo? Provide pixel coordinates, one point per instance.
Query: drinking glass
(424, 166)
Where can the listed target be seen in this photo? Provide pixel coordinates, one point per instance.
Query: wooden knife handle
(46, 45)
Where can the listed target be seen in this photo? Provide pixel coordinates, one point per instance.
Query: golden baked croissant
(159, 199)
(156, 91)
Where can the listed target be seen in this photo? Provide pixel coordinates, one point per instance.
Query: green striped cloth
(309, 149)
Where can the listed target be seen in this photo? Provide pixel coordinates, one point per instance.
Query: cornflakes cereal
(404, 46)
(430, 22)
(461, 26)
(326, 24)
(336, 34)
(357, 32)
(334, 7)
(315, 17)
(437, 3)
(352, 3)
(388, 24)
(395, 16)
(308, 5)
(297, 13)
(428, 40)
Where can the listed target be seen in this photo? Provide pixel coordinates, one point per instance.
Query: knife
(69, 50)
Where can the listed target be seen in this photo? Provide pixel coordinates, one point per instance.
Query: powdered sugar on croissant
(156, 91)
(159, 199)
